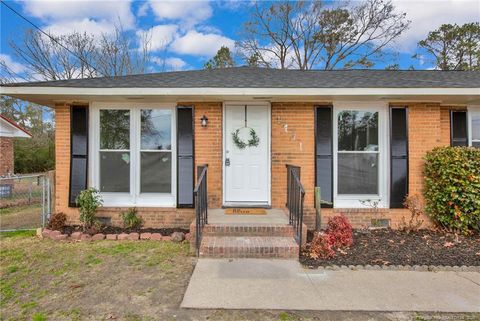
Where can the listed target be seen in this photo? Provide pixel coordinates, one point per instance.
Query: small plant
(340, 231)
(379, 218)
(57, 221)
(414, 204)
(373, 204)
(321, 247)
(130, 219)
(89, 201)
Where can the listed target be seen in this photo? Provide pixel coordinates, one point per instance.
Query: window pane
(156, 129)
(156, 172)
(114, 129)
(357, 173)
(476, 126)
(357, 131)
(115, 172)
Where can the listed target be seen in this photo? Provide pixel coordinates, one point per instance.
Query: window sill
(355, 202)
(127, 200)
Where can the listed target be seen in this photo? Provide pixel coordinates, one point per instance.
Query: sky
(185, 34)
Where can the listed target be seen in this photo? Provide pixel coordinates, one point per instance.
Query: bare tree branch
(307, 35)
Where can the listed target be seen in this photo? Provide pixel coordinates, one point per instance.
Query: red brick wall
(62, 162)
(295, 146)
(208, 147)
(6, 156)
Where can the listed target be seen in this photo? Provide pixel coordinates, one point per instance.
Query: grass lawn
(142, 280)
(21, 217)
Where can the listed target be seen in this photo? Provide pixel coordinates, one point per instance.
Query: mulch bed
(118, 230)
(390, 247)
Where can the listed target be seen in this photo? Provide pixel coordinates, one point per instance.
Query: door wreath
(252, 142)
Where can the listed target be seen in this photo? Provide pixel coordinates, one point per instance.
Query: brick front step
(248, 230)
(249, 247)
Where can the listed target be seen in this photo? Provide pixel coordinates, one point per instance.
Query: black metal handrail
(201, 204)
(295, 199)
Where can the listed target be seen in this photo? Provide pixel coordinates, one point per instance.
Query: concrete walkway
(286, 285)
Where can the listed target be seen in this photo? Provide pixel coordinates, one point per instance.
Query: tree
(36, 154)
(74, 55)
(307, 35)
(81, 55)
(223, 59)
(453, 47)
(253, 60)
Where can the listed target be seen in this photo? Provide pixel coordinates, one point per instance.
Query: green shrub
(130, 218)
(89, 201)
(452, 187)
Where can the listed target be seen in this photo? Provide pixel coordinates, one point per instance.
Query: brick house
(8, 131)
(358, 134)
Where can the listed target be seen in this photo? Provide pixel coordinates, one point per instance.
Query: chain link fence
(25, 201)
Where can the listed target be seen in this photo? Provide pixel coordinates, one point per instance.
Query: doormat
(245, 211)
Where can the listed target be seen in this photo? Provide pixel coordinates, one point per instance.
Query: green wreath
(252, 142)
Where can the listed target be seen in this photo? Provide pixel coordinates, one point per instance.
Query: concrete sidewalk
(286, 285)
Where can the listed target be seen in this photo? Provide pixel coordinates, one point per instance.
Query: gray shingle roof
(248, 77)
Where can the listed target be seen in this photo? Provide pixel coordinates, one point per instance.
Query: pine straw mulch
(117, 230)
(391, 247)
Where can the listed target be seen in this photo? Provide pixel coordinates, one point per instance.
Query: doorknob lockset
(227, 161)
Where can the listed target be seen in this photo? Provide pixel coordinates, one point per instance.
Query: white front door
(247, 177)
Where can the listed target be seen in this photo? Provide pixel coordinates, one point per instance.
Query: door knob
(227, 161)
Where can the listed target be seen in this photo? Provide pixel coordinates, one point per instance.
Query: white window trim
(134, 198)
(471, 110)
(354, 200)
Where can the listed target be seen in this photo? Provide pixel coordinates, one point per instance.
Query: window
(360, 155)
(114, 150)
(156, 151)
(133, 154)
(357, 152)
(474, 126)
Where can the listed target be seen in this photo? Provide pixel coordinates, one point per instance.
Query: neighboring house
(358, 134)
(9, 130)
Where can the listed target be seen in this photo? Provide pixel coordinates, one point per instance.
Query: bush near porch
(452, 188)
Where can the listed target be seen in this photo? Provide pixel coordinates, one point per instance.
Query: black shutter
(398, 156)
(78, 152)
(185, 156)
(324, 152)
(458, 128)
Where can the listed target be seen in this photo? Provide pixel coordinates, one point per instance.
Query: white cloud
(89, 26)
(176, 63)
(71, 9)
(159, 37)
(200, 44)
(91, 16)
(428, 15)
(189, 13)
(143, 10)
(234, 4)
(12, 65)
(170, 63)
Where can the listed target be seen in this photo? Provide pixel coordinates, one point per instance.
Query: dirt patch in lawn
(128, 280)
(391, 247)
